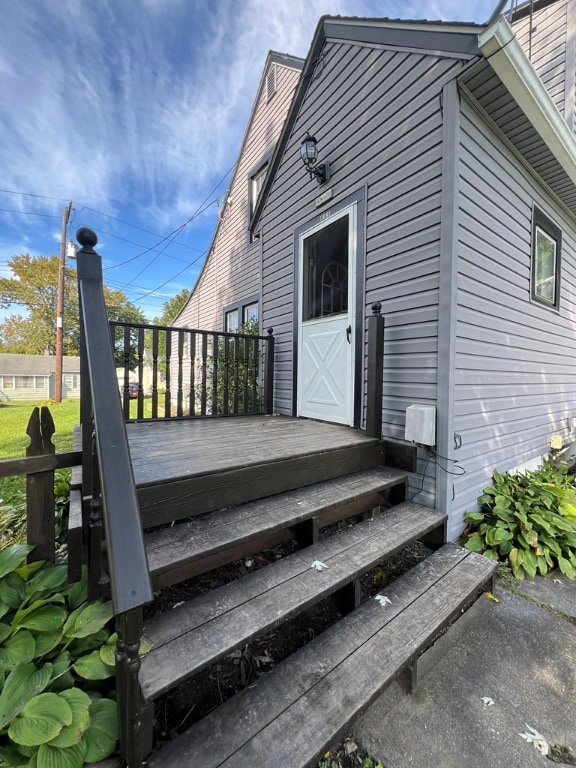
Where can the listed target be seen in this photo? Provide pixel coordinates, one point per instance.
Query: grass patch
(14, 418)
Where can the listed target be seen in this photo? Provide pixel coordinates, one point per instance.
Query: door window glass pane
(325, 267)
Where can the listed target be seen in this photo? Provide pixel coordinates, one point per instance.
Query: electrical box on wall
(421, 424)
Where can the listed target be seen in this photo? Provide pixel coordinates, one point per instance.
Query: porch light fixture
(309, 155)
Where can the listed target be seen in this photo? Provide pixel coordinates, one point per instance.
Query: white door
(325, 377)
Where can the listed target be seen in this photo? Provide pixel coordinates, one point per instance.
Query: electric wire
(433, 457)
(204, 205)
(30, 213)
(171, 237)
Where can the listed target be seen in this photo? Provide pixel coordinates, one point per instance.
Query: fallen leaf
(383, 600)
(536, 739)
(350, 747)
(487, 701)
(490, 596)
(319, 566)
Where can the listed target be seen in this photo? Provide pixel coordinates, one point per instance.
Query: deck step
(296, 710)
(191, 636)
(189, 474)
(184, 550)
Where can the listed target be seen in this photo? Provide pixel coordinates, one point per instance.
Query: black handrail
(128, 567)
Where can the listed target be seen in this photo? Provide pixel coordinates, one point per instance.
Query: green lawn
(14, 418)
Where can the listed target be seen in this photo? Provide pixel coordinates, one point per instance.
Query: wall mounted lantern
(309, 155)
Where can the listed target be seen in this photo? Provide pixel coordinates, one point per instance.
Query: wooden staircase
(297, 709)
(166, 501)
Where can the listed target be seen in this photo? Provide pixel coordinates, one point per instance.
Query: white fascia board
(506, 57)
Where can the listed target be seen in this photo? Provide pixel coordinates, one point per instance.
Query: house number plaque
(324, 197)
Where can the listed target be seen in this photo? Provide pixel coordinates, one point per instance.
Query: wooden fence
(38, 466)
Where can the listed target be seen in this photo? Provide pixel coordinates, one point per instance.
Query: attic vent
(271, 82)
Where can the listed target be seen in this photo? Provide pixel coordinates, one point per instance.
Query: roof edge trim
(503, 52)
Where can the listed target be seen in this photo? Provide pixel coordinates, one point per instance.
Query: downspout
(448, 298)
(496, 12)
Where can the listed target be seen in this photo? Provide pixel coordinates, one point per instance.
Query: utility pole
(60, 307)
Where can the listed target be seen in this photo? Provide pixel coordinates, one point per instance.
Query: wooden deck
(166, 451)
(188, 467)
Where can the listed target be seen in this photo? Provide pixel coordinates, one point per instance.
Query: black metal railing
(169, 372)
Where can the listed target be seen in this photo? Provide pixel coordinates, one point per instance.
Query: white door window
(326, 320)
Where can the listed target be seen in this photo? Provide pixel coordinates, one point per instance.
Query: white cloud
(147, 101)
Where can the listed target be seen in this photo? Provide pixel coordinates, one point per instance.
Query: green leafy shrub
(242, 364)
(62, 503)
(56, 661)
(527, 520)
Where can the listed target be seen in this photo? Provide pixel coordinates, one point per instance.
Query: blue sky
(134, 110)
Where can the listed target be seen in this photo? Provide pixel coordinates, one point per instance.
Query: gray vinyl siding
(377, 117)
(546, 47)
(515, 363)
(232, 269)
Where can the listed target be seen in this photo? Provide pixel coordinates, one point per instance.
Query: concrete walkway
(520, 653)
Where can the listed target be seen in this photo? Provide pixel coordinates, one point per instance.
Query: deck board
(203, 536)
(193, 635)
(293, 712)
(167, 451)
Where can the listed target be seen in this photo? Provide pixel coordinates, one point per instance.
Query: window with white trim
(231, 321)
(546, 256)
(71, 380)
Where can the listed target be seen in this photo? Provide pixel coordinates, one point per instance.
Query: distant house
(452, 202)
(32, 377)
(227, 291)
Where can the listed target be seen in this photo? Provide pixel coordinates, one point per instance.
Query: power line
(115, 218)
(31, 194)
(30, 213)
(140, 245)
(172, 278)
(134, 226)
(201, 208)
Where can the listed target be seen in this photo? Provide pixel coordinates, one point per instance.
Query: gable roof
(453, 39)
(493, 51)
(35, 365)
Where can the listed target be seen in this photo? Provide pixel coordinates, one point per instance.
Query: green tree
(172, 308)
(34, 286)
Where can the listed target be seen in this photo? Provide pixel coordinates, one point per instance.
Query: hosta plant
(527, 520)
(56, 655)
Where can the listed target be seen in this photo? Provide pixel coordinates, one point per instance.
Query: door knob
(348, 333)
